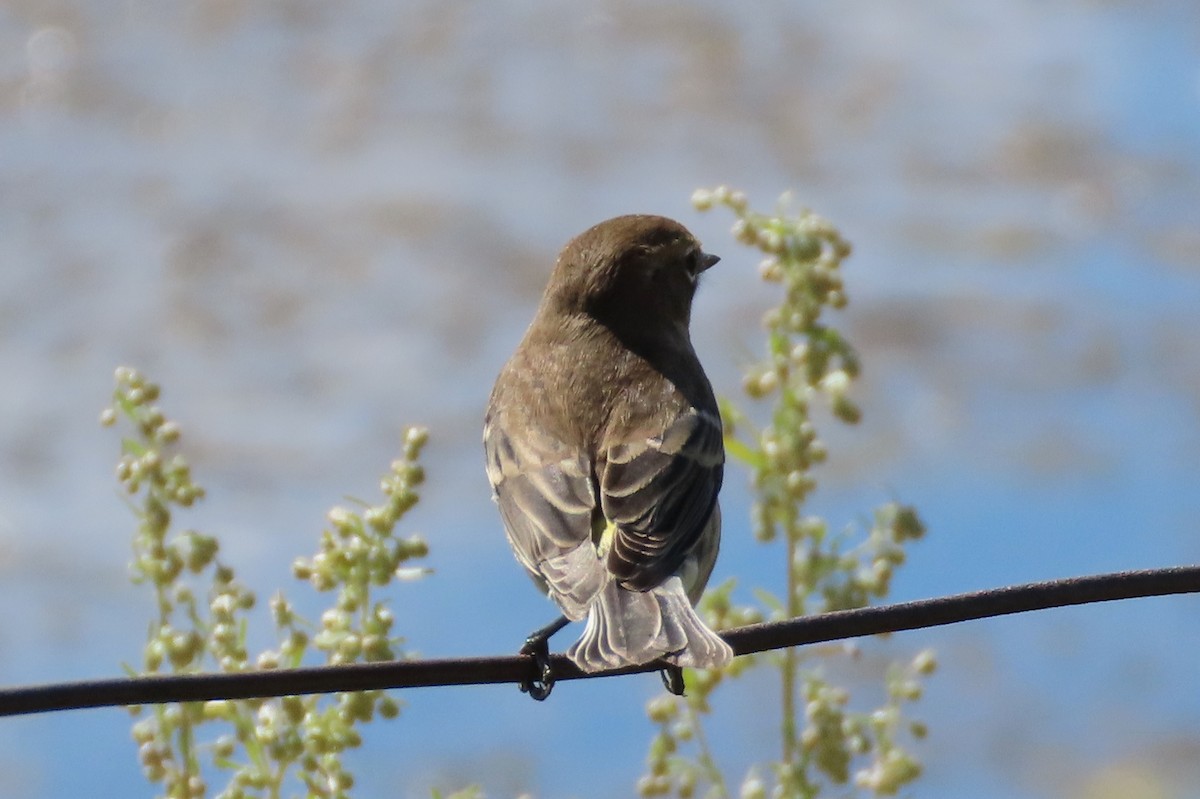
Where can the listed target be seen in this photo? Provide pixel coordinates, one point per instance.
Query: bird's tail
(628, 628)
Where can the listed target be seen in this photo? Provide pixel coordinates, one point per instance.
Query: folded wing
(547, 500)
(660, 491)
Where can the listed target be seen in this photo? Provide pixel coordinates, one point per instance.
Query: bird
(604, 448)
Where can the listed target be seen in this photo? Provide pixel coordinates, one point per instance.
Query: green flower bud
(662, 709)
(745, 232)
(925, 662)
(753, 788)
(168, 433)
(388, 708)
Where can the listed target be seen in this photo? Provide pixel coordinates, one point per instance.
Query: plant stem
(789, 660)
(706, 758)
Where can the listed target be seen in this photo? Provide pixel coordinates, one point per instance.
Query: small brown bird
(604, 449)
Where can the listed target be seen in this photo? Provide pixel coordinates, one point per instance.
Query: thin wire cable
(513, 669)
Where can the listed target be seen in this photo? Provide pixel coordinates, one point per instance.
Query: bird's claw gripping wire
(672, 679)
(538, 687)
(537, 646)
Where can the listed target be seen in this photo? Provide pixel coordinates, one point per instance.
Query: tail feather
(628, 628)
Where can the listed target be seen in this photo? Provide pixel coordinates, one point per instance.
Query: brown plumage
(604, 448)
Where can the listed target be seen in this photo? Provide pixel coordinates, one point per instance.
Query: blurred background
(316, 223)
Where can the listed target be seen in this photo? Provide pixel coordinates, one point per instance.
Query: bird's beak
(708, 261)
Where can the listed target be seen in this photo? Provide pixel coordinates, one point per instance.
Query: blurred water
(314, 224)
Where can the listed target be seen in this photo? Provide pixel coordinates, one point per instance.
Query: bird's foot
(672, 679)
(538, 647)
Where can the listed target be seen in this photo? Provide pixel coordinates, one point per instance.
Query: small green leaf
(739, 450)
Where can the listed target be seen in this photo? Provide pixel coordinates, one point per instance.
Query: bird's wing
(546, 495)
(659, 492)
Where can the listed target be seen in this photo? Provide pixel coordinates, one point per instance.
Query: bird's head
(633, 273)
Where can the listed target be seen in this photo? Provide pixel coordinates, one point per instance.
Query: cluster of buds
(143, 463)
(361, 550)
(358, 551)
(805, 358)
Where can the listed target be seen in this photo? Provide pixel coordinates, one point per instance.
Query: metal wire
(516, 668)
